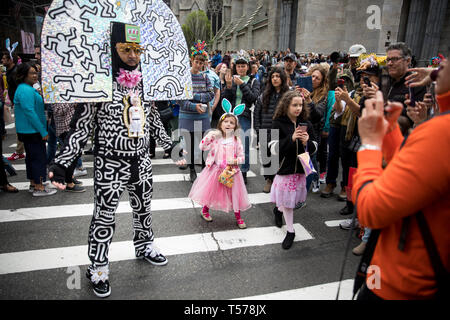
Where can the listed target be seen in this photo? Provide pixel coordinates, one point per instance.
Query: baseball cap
(290, 56)
(356, 50)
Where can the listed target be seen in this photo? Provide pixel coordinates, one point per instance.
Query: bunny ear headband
(237, 111)
(11, 50)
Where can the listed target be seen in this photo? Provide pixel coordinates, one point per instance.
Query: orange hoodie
(417, 178)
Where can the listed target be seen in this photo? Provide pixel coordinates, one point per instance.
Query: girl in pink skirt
(225, 148)
(296, 136)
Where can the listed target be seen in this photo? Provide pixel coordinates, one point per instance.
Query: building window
(214, 13)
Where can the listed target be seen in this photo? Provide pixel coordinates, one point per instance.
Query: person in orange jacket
(417, 178)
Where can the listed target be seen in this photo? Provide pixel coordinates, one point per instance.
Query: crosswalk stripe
(26, 261)
(324, 291)
(90, 164)
(78, 210)
(334, 223)
(156, 178)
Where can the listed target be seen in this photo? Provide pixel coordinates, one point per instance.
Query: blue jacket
(29, 111)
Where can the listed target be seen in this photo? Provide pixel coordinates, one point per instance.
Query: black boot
(278, 217)
(192, 175)
(244, 175)
(287, 242)
(348, 209)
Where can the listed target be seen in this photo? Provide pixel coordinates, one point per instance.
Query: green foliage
(197, 27)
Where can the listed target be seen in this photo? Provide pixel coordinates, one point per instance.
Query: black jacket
(288, 150)
(395, 91)
(317, 113)
(12, 83)
(263, 119)
(250, 92)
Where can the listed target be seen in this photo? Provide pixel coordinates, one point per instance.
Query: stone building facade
(327, 25)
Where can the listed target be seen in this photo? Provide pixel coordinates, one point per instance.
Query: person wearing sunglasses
(122, 130)
(398, 60)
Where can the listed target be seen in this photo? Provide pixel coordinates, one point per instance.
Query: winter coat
(288, 149)
(250, 92)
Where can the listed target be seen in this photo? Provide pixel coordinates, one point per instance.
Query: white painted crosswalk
(78, 210)
(33, 260)
(185, 245)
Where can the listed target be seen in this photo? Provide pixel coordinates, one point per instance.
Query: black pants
(191, 154)
(69, 172)
(348, 158)
(36, 159)
(365, 294)
(322, 154)
(111, 177)
(3, 178)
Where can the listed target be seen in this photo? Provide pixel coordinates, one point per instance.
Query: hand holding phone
(367, 81)
(340, 83)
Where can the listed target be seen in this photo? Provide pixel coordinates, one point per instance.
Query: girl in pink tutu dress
(225, 148)
(296, 136)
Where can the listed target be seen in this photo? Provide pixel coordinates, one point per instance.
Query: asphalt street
(43, 245)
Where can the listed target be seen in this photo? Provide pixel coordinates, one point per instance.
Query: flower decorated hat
(199, 48)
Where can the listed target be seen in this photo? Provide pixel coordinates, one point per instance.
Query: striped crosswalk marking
(325, 291)
(33, 260)
(52, 212)
(158, 178)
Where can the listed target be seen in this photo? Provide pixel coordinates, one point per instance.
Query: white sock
(288, 214)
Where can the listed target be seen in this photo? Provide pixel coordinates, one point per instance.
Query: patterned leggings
(110, 179)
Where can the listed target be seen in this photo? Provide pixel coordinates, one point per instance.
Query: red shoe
(16, 156)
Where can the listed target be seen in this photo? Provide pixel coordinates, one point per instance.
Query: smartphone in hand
(411, 97)
(303, 127)
(305, 82)
(340, 83)
(367, 81)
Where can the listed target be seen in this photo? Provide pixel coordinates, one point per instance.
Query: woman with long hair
(317, 103)
(276, 86)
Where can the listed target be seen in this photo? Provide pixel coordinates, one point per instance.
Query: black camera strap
(347, 248)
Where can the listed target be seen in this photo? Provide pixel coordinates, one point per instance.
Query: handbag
(226, 177)
(306, 162)
(7, 116)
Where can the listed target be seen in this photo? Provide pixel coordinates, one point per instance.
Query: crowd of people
(296, 104)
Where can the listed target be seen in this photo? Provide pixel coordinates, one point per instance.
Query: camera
(339, 57)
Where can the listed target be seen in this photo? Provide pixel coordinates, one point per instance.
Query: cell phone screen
(305, 82)
(411, 97)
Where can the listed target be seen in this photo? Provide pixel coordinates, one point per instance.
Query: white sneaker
(348, 223)
(43, 193)
(315, 187)
(80, 172)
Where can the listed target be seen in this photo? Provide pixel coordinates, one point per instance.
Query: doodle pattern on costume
(111, 135)
(111, 177)
(95, 56)
(76, 38)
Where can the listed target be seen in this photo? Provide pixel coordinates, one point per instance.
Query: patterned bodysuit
(119, 162)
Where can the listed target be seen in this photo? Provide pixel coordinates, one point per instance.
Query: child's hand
(297, 134)
(181, 162)
(304, 137)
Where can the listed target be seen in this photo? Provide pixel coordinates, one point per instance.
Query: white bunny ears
(11, 50)
(237, 111)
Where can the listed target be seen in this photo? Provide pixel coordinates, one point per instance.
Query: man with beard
(121, 157)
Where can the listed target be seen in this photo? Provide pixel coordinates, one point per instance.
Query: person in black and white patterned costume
(122, 160)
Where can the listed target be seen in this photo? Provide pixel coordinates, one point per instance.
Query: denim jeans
(333, 155)
(245, 125)
(313, 176)
(366, 235)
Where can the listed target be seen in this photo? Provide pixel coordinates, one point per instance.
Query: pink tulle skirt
(208, 191)
(288, 190)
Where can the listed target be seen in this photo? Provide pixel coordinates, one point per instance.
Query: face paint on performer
(126, 49)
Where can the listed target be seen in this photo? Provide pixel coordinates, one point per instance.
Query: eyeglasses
(127, 48)
(393, 59)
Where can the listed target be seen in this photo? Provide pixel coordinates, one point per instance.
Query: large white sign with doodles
(76, 50)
